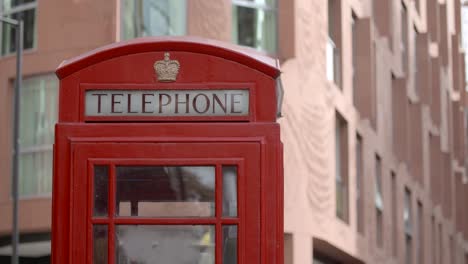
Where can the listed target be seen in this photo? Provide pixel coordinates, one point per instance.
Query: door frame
(244, 155)
(266, 135)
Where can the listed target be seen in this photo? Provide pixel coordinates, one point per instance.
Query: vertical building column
(302, 251)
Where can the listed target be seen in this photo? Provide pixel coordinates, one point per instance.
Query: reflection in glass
(174, 244)
(38, 115)
(101, 189)
(8, 44)
(230, 191)
(255, 27)
(161, 191)
(153, 18)
(100, 244)
(229, 244)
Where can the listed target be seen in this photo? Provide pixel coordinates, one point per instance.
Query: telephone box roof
(242, 55)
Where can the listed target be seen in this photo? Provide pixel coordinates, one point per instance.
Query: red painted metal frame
(165, 86)
(218, 221)
(204, 63)
(109, 136)
(87, 153)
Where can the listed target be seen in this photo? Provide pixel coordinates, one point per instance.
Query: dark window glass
(341, 152)
(229, 244)
(8, 37)
(359, 185)
(100, 244)
(101, 190)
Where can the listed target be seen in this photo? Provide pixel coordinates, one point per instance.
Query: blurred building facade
(374, 115)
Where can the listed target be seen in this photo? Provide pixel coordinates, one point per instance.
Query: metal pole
(16, 122)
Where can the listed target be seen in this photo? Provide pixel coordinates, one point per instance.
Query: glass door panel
(165, 191)
(175, 244)
(171, 210)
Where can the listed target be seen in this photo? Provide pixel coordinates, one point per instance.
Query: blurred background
(374, 118)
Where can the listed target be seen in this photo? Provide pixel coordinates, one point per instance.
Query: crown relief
(167, 69)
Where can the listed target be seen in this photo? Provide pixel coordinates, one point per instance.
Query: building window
(378, 201)
(434, 241)
(452, 248)
(142, 18)
(333, 48)
(441, 245)
(254, 24)
(341, 156)
(415, 61)
(394, 215)
(408, 221)
(404, 38)
(359, 185)
(17, 9)
(38, 115)
(354, 43)
(420, 229)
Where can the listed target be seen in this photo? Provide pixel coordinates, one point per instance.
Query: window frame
(15, 10)
(266, 8)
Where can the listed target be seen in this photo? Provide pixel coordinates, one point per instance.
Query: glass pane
(8, 38)
(163, 191)
(9, 4)
(230, 191)
(255, 27)
(174, 244)
(38, 115)
(101, 190)
(153, 18)
(38, 110)
(35, 173)
(100, 244)
(229, 244)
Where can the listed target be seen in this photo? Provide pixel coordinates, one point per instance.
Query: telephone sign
(167, 150)
(141, 102)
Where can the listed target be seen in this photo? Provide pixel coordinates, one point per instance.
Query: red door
(171, 203)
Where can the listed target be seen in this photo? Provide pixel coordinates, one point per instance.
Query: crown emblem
(167, 69)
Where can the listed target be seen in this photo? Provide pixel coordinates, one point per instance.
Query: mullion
(165, 221)
(111, 199)
(218, 214)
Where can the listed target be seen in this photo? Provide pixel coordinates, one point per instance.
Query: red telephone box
(167, 150)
